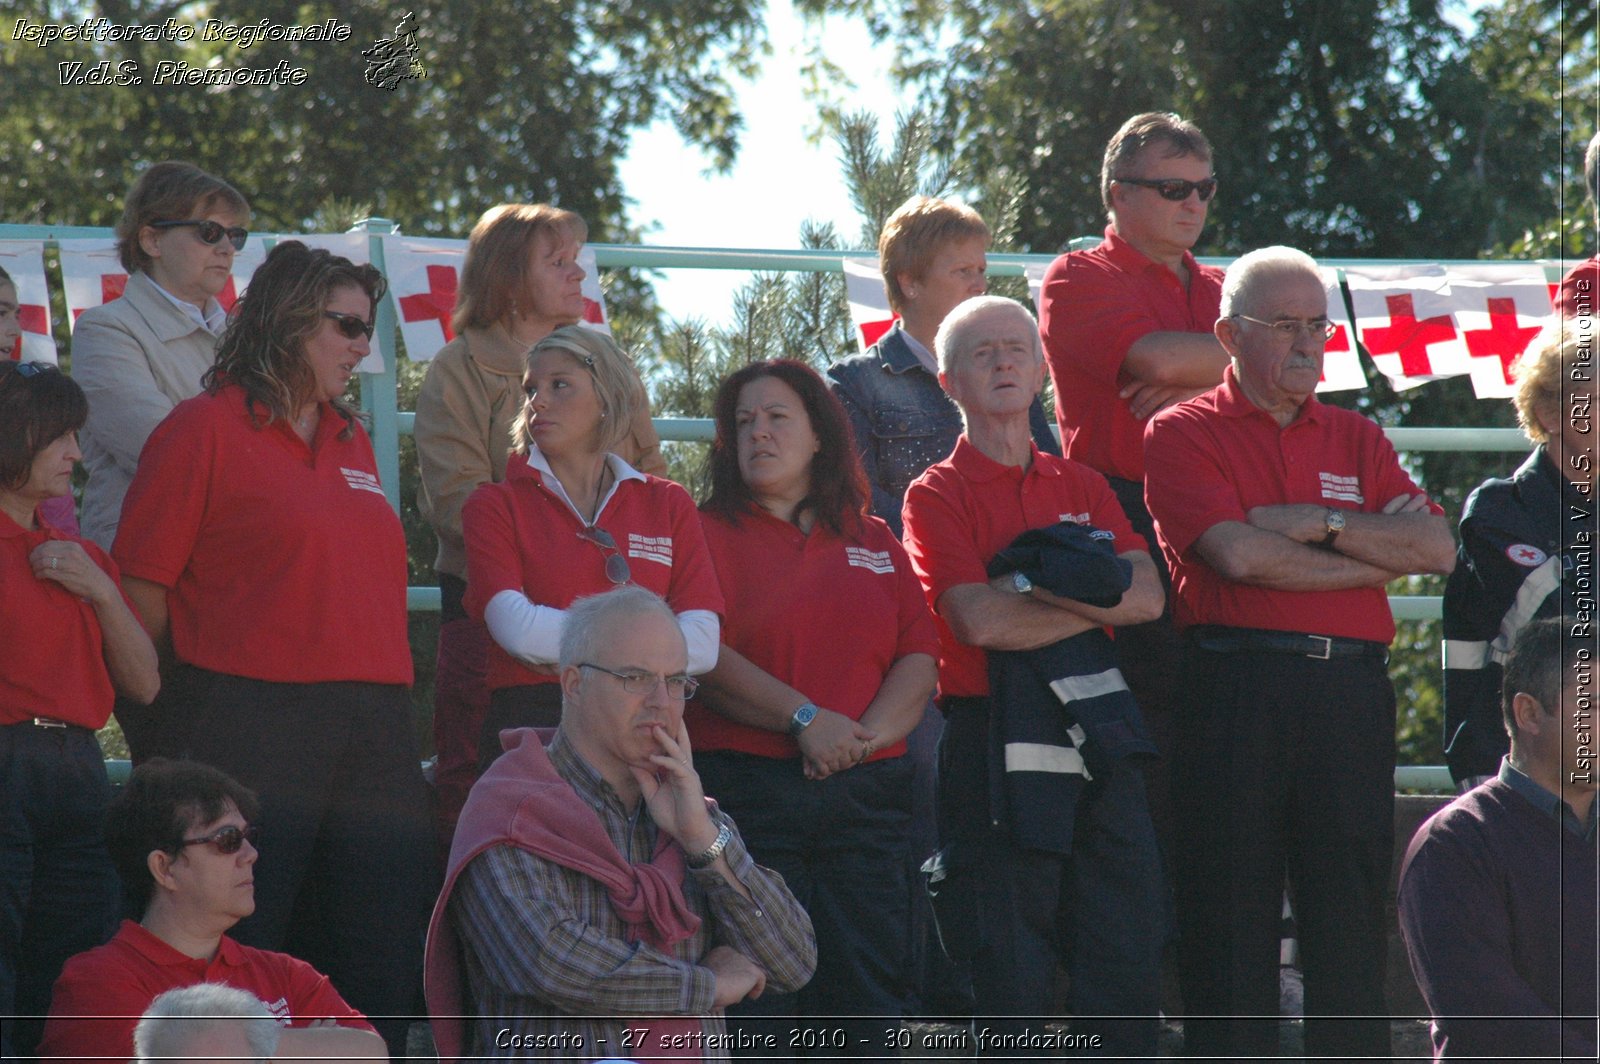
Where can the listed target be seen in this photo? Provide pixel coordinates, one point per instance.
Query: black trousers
(348, 869)
(1283, 761)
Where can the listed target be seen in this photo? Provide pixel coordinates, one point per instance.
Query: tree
(522, 102)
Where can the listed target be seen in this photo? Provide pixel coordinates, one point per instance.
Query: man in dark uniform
(1282, 520)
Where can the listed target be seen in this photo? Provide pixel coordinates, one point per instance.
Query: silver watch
(709, 857)
(802, 718)
(1021, 584)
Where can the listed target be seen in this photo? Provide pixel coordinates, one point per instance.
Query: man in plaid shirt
(597, 904)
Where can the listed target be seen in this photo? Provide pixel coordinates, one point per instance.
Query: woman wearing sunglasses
(143, 353)
(265, 559)
(519, 283)
(68, 644)
(829, 660)
(570, 519)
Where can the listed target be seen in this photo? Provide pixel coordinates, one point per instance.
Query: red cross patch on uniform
(1526, 554)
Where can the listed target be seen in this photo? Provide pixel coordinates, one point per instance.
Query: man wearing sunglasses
(1282, 520)
(182, 838)
(596, 902)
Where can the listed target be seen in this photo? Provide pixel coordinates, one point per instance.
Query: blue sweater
(1497, 907)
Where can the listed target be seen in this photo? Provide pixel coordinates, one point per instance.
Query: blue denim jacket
(903, 421)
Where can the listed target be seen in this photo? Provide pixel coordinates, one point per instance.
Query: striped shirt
(549, 967)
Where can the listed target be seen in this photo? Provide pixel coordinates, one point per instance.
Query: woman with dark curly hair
(828, 661)
(68, 644)
(266, 561)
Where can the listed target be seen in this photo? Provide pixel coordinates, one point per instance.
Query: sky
(778, 180)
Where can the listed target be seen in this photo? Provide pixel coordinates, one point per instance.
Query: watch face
(1021, 583)
(1335, 521)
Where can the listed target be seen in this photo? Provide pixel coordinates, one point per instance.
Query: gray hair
(589, 620)
(952, 341)
(616, 382)
(1248, 271)
(172, 1021)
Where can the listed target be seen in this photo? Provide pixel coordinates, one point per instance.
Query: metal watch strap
(709, 858)
(802, 718)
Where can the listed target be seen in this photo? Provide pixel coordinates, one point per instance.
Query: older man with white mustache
(1282, 520)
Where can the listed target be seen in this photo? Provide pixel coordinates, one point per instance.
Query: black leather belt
(1220, 639)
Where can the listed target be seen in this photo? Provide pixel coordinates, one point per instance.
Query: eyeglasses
(350, 327)
(210, 232)
(617, 570)
(639, 682)
(1172, 188)
(228, 840)
(1318, 329)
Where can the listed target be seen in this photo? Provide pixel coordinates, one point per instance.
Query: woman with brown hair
(520, 282)
(264, 558)
(829, 658)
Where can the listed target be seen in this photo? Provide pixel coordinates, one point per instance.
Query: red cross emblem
(112, 285)
(436, 303)
(1339, 341)
(592, 312)
(1407, 337)
(1526, 555)
(1503, 339)
(873, 331)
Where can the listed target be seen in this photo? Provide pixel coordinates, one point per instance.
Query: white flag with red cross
(1501, 311)
(1341, 364)
(1035, 272)
(869, 304)
(354, 247)
(92, 274)
(24, 261)
(424, 274)
(1405, 318)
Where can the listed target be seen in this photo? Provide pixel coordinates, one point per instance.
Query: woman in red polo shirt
(571, 518)
(68, 644)
(262, 553)
(828, 662)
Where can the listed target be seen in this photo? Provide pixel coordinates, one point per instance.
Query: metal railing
(379, 392)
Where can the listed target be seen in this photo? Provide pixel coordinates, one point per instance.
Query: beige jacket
(136, 358)
(468, 402)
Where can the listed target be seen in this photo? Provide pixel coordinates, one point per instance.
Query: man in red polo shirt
(1127, 332)
(1282, 520)
(1098, 908)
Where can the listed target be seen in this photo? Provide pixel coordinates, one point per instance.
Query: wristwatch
(1335, 520)
(709, 858)
(1021, 584)
(802, 719)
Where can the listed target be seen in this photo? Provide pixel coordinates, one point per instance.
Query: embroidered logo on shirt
(1343, 489)
(878, 561)
(1526, 554)
(280, 1012)
(1077, 519)
(650, 548)
(361, 480)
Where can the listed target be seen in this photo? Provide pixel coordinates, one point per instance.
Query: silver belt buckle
(1327, 648)
(47, 722)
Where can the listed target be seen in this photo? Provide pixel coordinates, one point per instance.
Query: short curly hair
(1539, 372)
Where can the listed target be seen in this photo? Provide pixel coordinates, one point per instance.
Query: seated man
(596, 902)
(1497, 892)
(180, 836)
(207, 1021)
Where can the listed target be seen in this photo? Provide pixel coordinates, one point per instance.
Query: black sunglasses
(210, 232)
(228, 840)
(350, 327)
(1173, 188)
(617, 570)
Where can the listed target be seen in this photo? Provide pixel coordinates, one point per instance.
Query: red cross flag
(352, 246)
(92, 274)
(1501, 311)
(1341, 365)
(1404, 317)
(869, 305)
(423, 275)
(24, 261)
